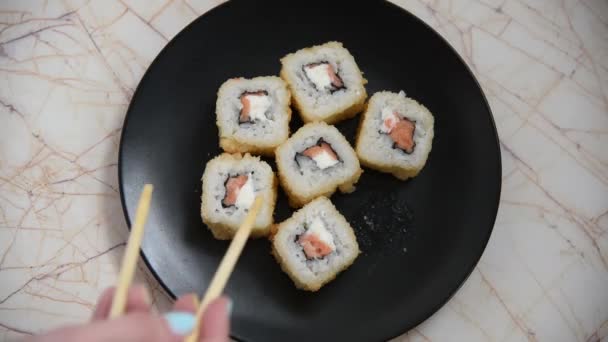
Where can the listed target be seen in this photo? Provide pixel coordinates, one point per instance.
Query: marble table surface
(69, 68)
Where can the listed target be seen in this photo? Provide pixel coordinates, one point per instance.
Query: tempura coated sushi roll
(315, 161)
(314, 245)
(325, 82)
(230, 184)
(253, 114)
(395, 135)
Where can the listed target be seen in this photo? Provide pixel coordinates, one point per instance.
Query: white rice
(322, 104)
(315, 272)
(377, 148)
(300, 174)
(265, 133)
(217, 172)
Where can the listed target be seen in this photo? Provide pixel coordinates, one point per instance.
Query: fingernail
(181, 323)
(229, 307)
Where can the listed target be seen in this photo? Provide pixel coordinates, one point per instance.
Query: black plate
(420, 239)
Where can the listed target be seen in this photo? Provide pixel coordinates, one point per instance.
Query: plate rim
(427, 313)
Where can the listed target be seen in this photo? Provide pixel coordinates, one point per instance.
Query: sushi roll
(325, 82)
(315, 161)
(314, 245)
(230, 184)
(253, 114)
(395, 135)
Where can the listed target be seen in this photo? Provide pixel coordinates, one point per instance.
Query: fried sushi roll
(325, 82)
(230, 184)
(314, 245)
(315, 161)
(253, 114)
(395, 135)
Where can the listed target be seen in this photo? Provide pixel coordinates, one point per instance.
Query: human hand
(141, 323)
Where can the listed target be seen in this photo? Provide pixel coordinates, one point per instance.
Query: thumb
(135, 327)
(215, 323)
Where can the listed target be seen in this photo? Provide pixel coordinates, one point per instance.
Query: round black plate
(420, 238)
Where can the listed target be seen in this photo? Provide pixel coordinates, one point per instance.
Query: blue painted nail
(180, 323)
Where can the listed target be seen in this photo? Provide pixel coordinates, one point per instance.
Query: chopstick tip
(148, 188)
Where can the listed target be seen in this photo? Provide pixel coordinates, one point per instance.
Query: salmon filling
(323, 76)
(317, 242)
(233, 188)
(400, 129)
(403, 135)
(254, 105)
(313, 246)
(322, 154)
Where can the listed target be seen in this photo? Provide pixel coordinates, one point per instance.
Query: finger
(215, 324)
(134, 327)
(186, 303)
(102, 310)
(138, 299)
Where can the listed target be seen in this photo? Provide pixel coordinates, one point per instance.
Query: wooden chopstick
(131, 255)
(220, 278)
